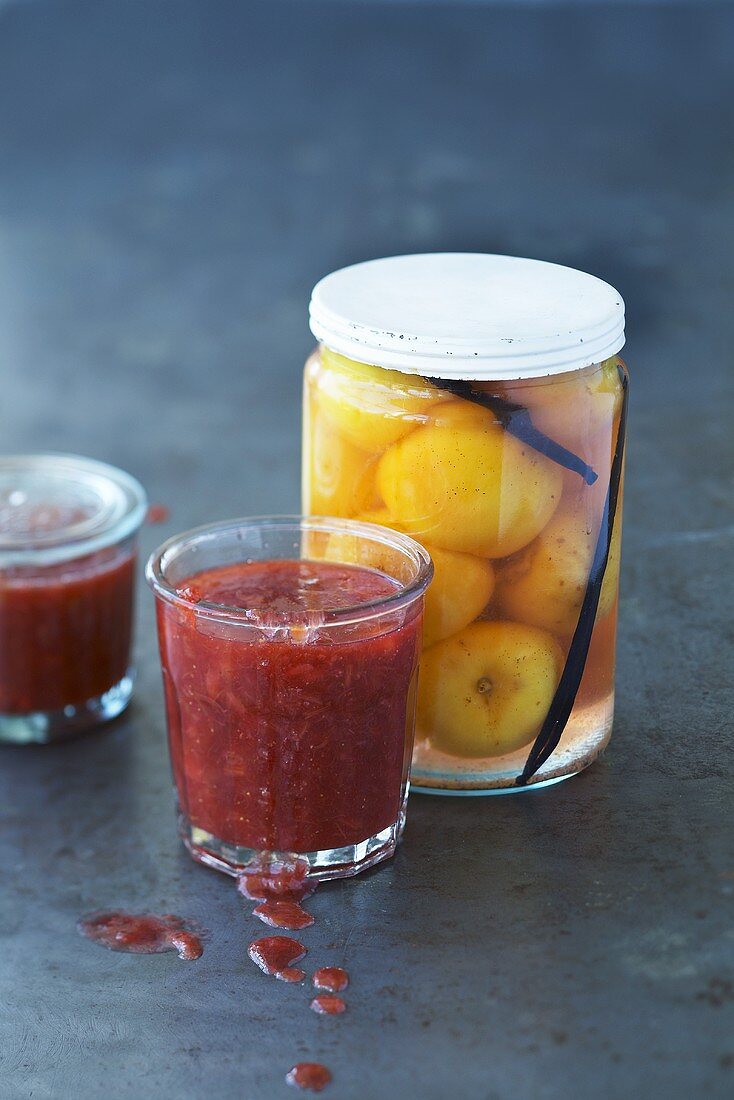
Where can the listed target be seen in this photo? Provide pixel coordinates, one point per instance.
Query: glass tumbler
(68, 539)
(290, 717)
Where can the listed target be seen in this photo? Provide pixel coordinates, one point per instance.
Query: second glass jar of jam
(478, 403)
(68, 534)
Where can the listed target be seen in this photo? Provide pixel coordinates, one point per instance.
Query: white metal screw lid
(468, 315)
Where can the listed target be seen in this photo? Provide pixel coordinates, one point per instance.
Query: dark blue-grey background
(174, 177)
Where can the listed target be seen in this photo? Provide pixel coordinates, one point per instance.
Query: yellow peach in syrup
(461, 588)
(372, 407)
(379, 515)
(544, 585)
(338, 478)
(579, 410)
(486, 691)
(463, 483)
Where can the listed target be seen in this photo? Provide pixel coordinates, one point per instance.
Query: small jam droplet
(309, 1075)
(327, 1004)
(283, 914)
(187, 945)
(141, 933)
(157, 513)
(275, 956)
(331, 979)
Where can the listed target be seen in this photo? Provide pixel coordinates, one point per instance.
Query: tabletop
(173, 180)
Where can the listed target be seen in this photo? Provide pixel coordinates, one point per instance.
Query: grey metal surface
(173, 179)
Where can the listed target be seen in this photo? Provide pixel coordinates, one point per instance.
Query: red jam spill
(270, 729)
(281, 885)
(275, 956)
(141, 933)
(283, 914)
(331, 979)
(309, 1075)
(266, 879)
(328, 1004)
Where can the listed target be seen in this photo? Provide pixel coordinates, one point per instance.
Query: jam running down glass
(68, 534)
(478, 404)
(290, 652)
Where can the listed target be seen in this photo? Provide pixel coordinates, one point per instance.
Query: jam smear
(309, 1075)
(269, 879)
(331, 979)
(281, 885)
(275, 956)
(283, 914)
(142, 933)
(328, 1004)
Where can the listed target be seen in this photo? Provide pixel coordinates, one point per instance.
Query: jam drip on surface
(283, 914)
(275, 956)
(280, 885)
(142, 933)
(331, 979)
(328, 1004)
(309, 1075)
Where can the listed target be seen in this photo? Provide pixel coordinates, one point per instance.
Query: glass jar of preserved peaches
(478, 404)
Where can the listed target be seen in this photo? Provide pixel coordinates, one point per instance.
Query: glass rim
(406, 594)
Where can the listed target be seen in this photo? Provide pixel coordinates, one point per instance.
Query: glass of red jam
(68, 533)
(290, 650)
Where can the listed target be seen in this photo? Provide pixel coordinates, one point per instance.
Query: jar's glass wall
(512, 532)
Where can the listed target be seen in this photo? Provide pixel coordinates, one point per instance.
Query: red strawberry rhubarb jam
(288, 733)
(64, 632)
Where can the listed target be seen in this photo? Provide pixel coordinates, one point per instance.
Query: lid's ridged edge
(451, 356)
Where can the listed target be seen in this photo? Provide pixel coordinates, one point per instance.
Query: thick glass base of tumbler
(328, 863)
(585, 737)
(42, 728)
